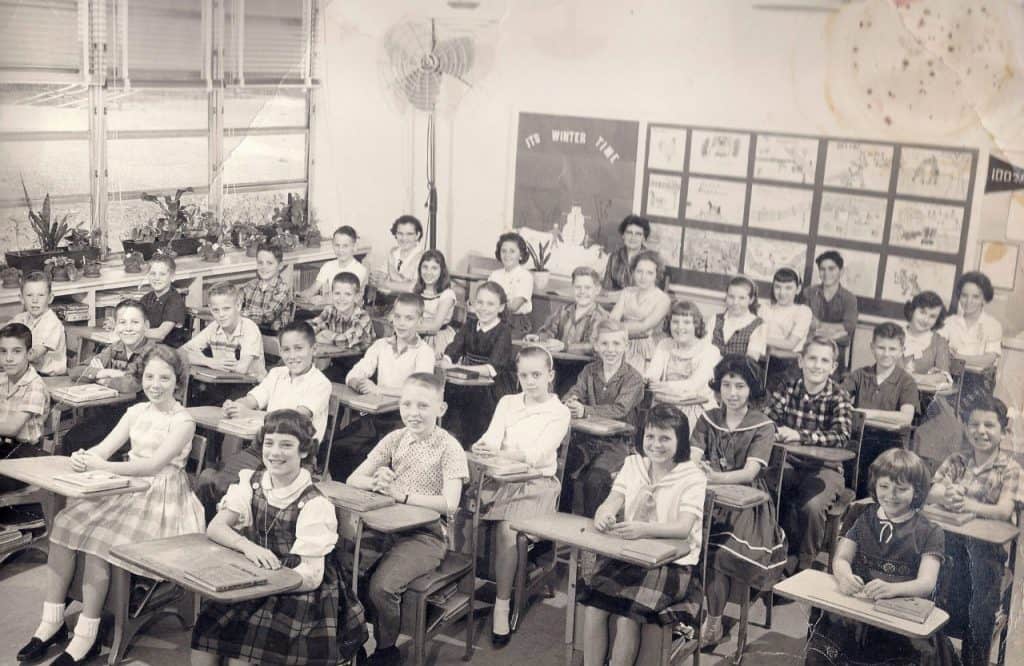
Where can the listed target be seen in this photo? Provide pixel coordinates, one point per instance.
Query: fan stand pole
(431, 189)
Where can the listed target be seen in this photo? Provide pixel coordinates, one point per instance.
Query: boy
(49, 355)
(884, 389)
(343, 323)
(344, 243)
(985, 481)
(165, 307)
(393, 360)
(24, 400)
(231, 343)
(834, 307)
(295, 384)
(420, 464)
(117, 366)
(605, 388)
(267, 299)
(574, 325)
(811, 410)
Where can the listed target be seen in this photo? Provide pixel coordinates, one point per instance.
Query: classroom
(383, 332)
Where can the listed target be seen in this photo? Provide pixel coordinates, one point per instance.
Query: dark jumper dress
(470, 408)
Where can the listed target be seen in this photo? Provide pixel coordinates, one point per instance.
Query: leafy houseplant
(49, 233)
(178, 226)
(134, 262)
(211, 251)
(540, 256)
(61, 269)
(10, 277)
(294, 217)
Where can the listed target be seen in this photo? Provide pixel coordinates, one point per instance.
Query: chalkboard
(749, 201)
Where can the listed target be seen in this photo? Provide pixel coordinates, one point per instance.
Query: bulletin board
(746, 201)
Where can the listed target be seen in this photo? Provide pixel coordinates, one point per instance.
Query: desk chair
(196, 457)
(323, 453)
(957, 370)
(851, 471)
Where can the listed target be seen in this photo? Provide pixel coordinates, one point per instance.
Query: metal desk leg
(570, 604)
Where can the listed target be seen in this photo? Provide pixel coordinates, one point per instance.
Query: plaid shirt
(28, 394)
(985, 483)
(117, 356)
(267, 304)
(352, 332)
(822, 419)
(563, 325)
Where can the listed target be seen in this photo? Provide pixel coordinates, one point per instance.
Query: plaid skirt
(168, 508)
(664, 595)
(523, 499)
(837, 641)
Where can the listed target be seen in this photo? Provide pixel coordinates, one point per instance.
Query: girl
(739, 330)
(483, 345)
(733, 445)
(974, 335)
(528, 427)
(276, 517)
(890, 550)
(786, 324)
(435, 286)
(683, 365)
(161, 433)
(924, 352)
(661, 494)
(516, 280)
(642, 308)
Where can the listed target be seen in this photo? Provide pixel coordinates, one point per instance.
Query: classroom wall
(930, 71)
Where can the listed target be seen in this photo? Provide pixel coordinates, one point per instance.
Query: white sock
(501, 616)
(371, 642)
(85, 635)
(53, 618)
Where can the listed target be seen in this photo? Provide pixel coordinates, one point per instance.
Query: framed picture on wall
(907, 276)
(713, 200)
(789, 158)
(999, 263)
(858, 165)
(667, 151)
(719, 153)
(937, 174)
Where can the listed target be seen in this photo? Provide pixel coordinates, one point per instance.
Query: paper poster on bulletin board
(574, 180)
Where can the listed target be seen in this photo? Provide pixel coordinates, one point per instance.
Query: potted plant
(178, 226)
(211, 251)
(91, 268)
(134, 262)
(49, 233)
(10, 277)
(540, 256)
(81, 246)
(61, 269)
(295, 218)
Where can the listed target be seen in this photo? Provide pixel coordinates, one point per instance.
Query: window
(156, 40)
(41, 41)
(269, 43)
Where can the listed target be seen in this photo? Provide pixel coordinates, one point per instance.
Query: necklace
(266, 528)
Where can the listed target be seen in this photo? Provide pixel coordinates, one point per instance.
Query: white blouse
(534, 430)
(782, 321)
(517, 283)
(985, 336)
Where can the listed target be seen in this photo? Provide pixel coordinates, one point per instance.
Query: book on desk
(738, 496)
(913, 609)
(83, 393)
(650, 552)
(93, 481)
(352, 498)
(225, 577)
(938, 514)
(243, 426)
(601, 425)
(497, 465)
(462, 373)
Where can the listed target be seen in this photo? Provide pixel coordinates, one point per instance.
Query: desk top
(467, 381)
(779, 353)
(488, 464)
(211, 416)
(92, 333)
(211, 376)
(999, 532)
(601, 427)
(579, 531)
(394, 518)
(61, 381)
(40, 472)
(678, 401)
(821, 590)
(370, 403)
(170, 558)
(561, 355)
(325, 350)
(880, 419)
(822, 453)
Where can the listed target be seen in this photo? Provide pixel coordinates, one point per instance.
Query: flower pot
(252, 249)
(146, 248)
(540, 279)
(60, 275)
(32, 260)
(313, 240)
(185, 246)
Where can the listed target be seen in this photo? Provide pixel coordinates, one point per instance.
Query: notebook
(498, 466)
(93, 481)
(909, 608)
(600, 425)
(650, 552)
(244, 426)
(80, 393)
(937, 513)
(225, 577)
(738, 496)
(463, 373)
(9, 534)
(354, 499)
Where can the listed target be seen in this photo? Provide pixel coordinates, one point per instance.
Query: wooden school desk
(600, 427)
(59, 405)
(578, 533)
(95, 336)
(211, 417)
(211, 376)
(467, 381)
(42, 470)
(564, 355)
(820, 589)
(364, 403)
(822, 453)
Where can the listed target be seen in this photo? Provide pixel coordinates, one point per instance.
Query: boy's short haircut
(586, 271)
(345, 277)
(670, 417)
(37, 276)
(18, 332)
(346, 230)
(983, 403)
(536, 351)
(608, 326)
(272, 248)
(821, 341)
(427, 380)
(165, 259)
(687, 309)
(130, 303)
(829, 255)
(224, 289)
(901, 466)
(298, 326)
(408, 298)
(889, 331)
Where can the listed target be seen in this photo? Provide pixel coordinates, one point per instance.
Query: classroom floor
(538, 641)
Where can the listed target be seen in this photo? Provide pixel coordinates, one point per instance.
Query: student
(658, 494)
(974, 336)
(119, 366)
(606, 388)
(573, 326)
(392, 360)
(739, 330)
(733, 444)
(160, 432)
(812, 410)
(517, 282)
(833, 305)
(422, 465)
(165, 307)
(642, 308)
(527, 427)
(344, 243)
(24, 401)
(618, 272)
(483, 345)
(344, 323)
(404, 258)
(787, 322)
(295, 385)
(267, 300)
(231, 343)
(435, 287)
(684, 364)
(277, 518)
(49, 354)
(890, 550)
(985, 481)
(925, 352)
